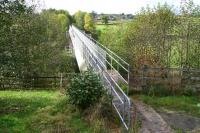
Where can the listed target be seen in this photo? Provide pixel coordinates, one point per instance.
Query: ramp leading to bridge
(113, 70)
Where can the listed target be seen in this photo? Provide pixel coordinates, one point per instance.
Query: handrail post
(128, 80)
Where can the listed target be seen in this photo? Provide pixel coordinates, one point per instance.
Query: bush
(85, 89)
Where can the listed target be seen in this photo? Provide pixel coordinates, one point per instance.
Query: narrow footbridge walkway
(113, 70)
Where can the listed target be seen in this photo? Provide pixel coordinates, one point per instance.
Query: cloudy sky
(106, 6)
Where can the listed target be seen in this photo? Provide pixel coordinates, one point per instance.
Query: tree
(64, 22)
(158, 38)
(143, 40)
(94, 14)
(189, 28)
(104, 19)
(89, 23)
(17, 34)
(79, 19)
(56, 26)
(31, 43)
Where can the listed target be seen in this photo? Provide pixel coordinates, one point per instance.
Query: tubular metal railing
(99, 58)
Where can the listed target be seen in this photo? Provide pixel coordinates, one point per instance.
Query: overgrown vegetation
(38, 111)
(32, 44)
(158, 37)
(161, 46)
(161, 90)
(85, 21)
(50, 111)
(85, 89)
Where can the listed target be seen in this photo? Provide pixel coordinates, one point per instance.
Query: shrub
(85, 89)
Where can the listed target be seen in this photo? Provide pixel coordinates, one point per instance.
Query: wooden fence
(33, 82)
(171, 78)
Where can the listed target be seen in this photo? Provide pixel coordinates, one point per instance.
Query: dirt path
(181, 121)
(152, 122)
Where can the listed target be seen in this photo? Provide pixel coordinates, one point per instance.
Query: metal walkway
(113, 70)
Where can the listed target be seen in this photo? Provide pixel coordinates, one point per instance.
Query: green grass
(104, 28)
(38, 111)
(187, 104)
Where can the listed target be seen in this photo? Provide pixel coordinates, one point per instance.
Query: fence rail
(171, 78)
(32, 82)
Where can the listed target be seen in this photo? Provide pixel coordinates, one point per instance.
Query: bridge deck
(91, 55)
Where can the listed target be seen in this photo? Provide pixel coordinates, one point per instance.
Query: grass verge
(39, 111)
(104, 28)
(35, 111)
(187, 104)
